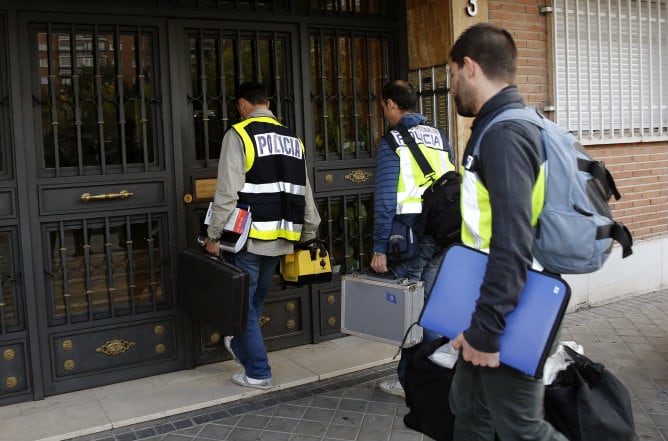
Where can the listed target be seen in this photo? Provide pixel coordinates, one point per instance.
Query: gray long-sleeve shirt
(231, 179)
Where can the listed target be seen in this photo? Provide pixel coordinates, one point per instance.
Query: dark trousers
(499, 400)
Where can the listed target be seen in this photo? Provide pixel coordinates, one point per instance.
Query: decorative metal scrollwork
(115, 347)
(11, 382)
(263, 320)
(359, 176)
(68, 345)
(8, 354)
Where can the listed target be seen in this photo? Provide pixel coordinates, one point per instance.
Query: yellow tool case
(309, 264)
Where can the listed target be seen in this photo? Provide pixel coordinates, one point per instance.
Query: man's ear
(469, 66)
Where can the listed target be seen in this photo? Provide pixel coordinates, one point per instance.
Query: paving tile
(242, 434)
(325, 402)
(214, 431)
(279, 424)
(353, 405)
(342, 432)
(373, 434)
(318, 414)
(274, 436)
(311, 428)
(347, 418)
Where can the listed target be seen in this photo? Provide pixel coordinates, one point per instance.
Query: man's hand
(379, 263)
(474, 356)
(212, 247)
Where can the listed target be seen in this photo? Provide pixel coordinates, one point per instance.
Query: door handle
(123, 194)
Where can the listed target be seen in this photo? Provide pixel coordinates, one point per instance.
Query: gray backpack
(575, 229)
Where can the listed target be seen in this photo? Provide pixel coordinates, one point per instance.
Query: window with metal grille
(611, 69)
(348, 70)
(99, 99)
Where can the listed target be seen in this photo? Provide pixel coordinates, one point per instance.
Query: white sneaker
(392, 387)
(243, 380)
(227, 341)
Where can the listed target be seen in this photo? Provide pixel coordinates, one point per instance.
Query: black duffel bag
(427, 388)
(586, 402)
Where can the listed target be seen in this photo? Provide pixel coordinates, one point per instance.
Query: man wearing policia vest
(262, 165)
(400, 184)
(502, 193)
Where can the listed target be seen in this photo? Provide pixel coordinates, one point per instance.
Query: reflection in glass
(217, 61)
(347, 73)
(97, 97)
(347, 228)
(106, 267)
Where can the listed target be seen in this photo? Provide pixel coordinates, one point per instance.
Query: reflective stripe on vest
(477, 210)
(412, 181)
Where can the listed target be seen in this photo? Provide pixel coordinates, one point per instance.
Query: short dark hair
(492, 47)
(252, 91)
(402, 93)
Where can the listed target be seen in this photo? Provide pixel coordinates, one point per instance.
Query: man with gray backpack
(502, 194)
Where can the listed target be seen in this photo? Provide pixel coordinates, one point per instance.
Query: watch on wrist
(212, 240)
(376, 253)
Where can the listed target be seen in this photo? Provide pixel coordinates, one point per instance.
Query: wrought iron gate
(110, 130)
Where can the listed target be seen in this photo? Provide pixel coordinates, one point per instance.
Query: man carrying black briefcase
(261, 165)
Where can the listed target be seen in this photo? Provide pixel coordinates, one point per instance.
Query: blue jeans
(249, 345)
(423, 267)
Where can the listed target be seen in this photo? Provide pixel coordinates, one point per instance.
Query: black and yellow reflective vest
(275, 179)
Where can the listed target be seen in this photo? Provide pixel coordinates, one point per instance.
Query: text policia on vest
(275, 144)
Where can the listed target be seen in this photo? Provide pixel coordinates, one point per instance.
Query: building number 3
(472, 8)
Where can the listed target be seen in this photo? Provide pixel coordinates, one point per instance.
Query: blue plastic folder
(530, 328)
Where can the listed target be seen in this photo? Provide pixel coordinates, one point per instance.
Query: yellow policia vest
(275, 184)
(412, 182)
(477, 211)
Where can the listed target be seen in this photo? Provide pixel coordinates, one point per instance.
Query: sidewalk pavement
(630, 337)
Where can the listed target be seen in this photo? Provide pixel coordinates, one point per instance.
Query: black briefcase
(213, 291)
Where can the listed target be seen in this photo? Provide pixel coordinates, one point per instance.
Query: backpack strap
(529, 114)
(602, 175)
(427, 170)
(618, 232)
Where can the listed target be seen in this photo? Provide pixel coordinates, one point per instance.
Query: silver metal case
(381, 309)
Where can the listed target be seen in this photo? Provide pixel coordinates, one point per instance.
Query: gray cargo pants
(499, 401)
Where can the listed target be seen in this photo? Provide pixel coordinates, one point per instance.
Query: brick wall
(640, 169)
(641, 174)
(522, 18)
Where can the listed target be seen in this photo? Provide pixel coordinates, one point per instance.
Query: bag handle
(591, 370)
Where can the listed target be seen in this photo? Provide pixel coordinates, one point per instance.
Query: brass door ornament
(8, 354)
(359, 176)
(263, 320)
(115, 347)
